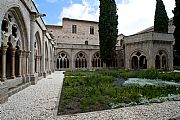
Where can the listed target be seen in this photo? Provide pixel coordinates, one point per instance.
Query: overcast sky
(133, 15)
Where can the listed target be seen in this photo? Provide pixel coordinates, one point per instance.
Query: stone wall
(149, 44)
(27, 49)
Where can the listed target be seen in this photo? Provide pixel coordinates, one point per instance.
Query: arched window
(161, 60)
(96, 61)
(157, 62)
(139, 61)
(164, 62)
(62, 61)
(80, 61)
(134, 62)
(142, 62)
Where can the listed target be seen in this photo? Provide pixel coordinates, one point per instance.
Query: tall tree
(161, 19)
(176, 22)
(108, 32)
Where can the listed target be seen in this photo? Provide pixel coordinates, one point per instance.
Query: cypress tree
(161, 19)
(176, 22)
(108, 30)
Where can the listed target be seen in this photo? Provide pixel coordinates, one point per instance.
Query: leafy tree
(108, 30)
(161, 19)
(176, 22)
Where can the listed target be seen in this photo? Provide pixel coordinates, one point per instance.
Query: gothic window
(4, 26)
(80, 61)
(14, 30)
(9, 25)
(161, 60)
(164, 61)
(96, 61)
(157, 62)
(143, 62)
(74, 28)
(134, 62)
(62, 61)
(91, 30)
(139, 61)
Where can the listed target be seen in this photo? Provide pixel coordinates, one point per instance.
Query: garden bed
(85, 91)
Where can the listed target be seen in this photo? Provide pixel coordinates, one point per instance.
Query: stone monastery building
(30, 50)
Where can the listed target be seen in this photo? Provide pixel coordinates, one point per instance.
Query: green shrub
(85, 91)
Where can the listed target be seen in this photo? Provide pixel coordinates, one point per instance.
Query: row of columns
(23, 60)
(40, 59)
(29, 60)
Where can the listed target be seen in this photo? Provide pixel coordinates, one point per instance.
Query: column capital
(20, 53)
(5, 37)
(39, 57)
(27, 53)
(33, 16)
(44, 32)
(4, 49)
(13, 50)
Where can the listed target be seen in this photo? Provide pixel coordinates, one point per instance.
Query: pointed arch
(14, 35)
(161, 60)
(14, 22)
(81, 60)
(96, 60)
(63, 60)
(38, 53)
(138, 60)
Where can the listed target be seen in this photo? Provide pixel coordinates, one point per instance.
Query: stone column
(21, 64)
(90, 61)
(4, 49)
(13, 50)
(27, 54)
(32, 39)
(43, 54)
(33, 77)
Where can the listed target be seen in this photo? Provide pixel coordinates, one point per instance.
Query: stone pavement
(37, 102)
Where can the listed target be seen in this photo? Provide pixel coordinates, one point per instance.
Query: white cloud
(139, 14)
(86, 10)
(134, 15)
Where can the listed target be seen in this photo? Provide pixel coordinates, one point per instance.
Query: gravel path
(163, 111)
(37, 102)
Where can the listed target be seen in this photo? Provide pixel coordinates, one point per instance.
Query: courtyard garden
(86, 91)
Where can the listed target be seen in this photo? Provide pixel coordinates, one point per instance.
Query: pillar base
(3, 93)
(50, 72)
(33, 78)
(44, 74)
(3, 79)
(12, 77)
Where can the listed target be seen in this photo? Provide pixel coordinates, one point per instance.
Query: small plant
(85, 91)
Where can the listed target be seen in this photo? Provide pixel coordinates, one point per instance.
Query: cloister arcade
(81, 60)
(14, 46)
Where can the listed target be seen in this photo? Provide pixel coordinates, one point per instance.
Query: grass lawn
(85, 91)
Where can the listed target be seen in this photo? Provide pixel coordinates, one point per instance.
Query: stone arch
(13, 20)
(96, 60)
(14, 40)
(62, 60)
(138, 60)
(37, 53)
(161, 59)
(80, 60)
